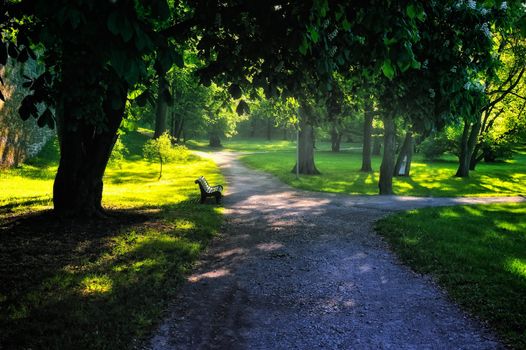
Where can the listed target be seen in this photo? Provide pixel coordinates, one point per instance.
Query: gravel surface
(302, 270)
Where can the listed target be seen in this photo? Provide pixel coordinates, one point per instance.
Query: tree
(162, 150)
(86, 78)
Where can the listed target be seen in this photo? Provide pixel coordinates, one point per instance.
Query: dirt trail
(302, 270)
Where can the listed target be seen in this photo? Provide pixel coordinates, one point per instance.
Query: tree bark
(467, 145)
(377, 146)
(161, 109)
(367, 137)
(405, 156)
(306, 146)
(214, 141)
(336, 138)
(385, 183)
(84, 153)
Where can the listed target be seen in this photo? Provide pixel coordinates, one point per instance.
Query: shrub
(163, 150)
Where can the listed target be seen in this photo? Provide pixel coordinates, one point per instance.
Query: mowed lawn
(340, 173)
(103, 284)
(478, 253)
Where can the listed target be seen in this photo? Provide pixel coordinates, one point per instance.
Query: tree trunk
(403, 162)
(285, 135)
(467, 145)
(336, 138)
(377, 146)
(215, 141)
(84, 154)
(367, 137)
(269, 129)
(306, 146)
(161, 109)
(385, 183)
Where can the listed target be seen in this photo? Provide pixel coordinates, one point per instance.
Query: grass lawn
(99, 285)
(340, 172)
(478, 253)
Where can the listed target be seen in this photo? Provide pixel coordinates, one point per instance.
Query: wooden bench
(209, 191)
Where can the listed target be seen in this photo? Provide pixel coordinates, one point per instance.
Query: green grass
(99, 285)
(340, 174)
(478, 253)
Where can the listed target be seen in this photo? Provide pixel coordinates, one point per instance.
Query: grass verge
(340, 174)
(478, 253)
(102, 284)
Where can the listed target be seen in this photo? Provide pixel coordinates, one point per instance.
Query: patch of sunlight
(516, 266)
(403, 185)
(211, 274)
(410, 240)
(473, 211)
(96, 285)
(141, 265)
(506, 225)
(449, 213)
(182, 224)
(267, 247)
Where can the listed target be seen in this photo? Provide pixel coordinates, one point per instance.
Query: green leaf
(521, 24)
(178, 59)
(23, 56)
(388, 69)
(346, 25)
(303, 47)
(45, 118)
(242, 108)
(389, 42)
(314, 35)
(410, 10)
(12, 50)
(235, 91)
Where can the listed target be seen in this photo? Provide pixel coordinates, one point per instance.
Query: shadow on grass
(94, 285)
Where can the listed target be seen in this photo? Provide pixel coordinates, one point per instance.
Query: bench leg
(203, 199)
(218, 198)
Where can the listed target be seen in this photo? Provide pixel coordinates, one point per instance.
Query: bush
(435, 146)
(163, 150)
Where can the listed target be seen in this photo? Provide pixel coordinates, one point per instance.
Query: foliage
(162, 149)
(476, 252)
(98, 285)
(118, 153)
(439, 143)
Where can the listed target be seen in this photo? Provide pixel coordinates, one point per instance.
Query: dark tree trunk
(215, 141)
(161, 109)
(306, 146)
(377, 146)
(178, 129)
(403, 162)
(285, 134)
(336, 138)
(367, 137)
(84, 154)
(385, 183)
(269, 129)
(475, 158)
(467, 145)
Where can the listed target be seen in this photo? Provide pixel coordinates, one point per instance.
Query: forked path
(301, 270)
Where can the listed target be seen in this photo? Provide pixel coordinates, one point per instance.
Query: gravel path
(302, 270)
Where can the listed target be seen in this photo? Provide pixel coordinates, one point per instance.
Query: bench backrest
(203, 184)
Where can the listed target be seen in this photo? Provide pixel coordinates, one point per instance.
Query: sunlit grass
(478, 253)
(340, 174)
(97, 285)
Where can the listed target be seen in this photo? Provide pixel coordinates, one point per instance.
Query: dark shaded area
(34, 248)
